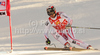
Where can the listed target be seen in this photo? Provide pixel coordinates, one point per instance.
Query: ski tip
(70, 48)
(45, 48)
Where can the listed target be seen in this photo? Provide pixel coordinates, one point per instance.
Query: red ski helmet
(51, 10)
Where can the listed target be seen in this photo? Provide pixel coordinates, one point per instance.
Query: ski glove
(48, 41)
(68, 26)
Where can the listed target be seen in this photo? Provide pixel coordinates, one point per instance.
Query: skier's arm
(47, 27)
(68, 19)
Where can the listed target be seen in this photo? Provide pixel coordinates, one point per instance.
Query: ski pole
(85, 27)
(53, 44)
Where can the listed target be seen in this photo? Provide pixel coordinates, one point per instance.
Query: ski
(66, 49)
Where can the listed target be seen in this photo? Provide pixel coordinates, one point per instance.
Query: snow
(29, 15)
(42, 52)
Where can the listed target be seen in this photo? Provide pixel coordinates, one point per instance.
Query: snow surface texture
(28, 17)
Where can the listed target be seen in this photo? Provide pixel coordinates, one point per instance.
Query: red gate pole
(10, 33)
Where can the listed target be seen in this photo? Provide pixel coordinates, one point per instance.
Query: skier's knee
(74, 41)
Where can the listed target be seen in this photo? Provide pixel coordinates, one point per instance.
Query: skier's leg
(72, 39)
(61, 37)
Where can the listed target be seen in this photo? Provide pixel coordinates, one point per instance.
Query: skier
(59, 21)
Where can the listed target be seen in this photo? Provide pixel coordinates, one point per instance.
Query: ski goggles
(50, 11)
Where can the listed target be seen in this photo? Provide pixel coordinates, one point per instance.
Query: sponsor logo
(57, 36)
(57, 22)
(2, 13)
(2, 3)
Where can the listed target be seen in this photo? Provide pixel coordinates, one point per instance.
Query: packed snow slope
(28, 18)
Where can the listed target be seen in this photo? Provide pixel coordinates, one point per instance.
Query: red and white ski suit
(60, 33)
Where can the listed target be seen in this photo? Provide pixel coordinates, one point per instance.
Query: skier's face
(52, 16)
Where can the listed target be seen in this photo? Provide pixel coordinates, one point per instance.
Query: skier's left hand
(68, 26)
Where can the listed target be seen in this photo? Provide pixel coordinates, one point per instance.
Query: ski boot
(90, 47)
(68, 46)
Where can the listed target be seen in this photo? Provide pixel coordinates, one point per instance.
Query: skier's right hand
(48, 42)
